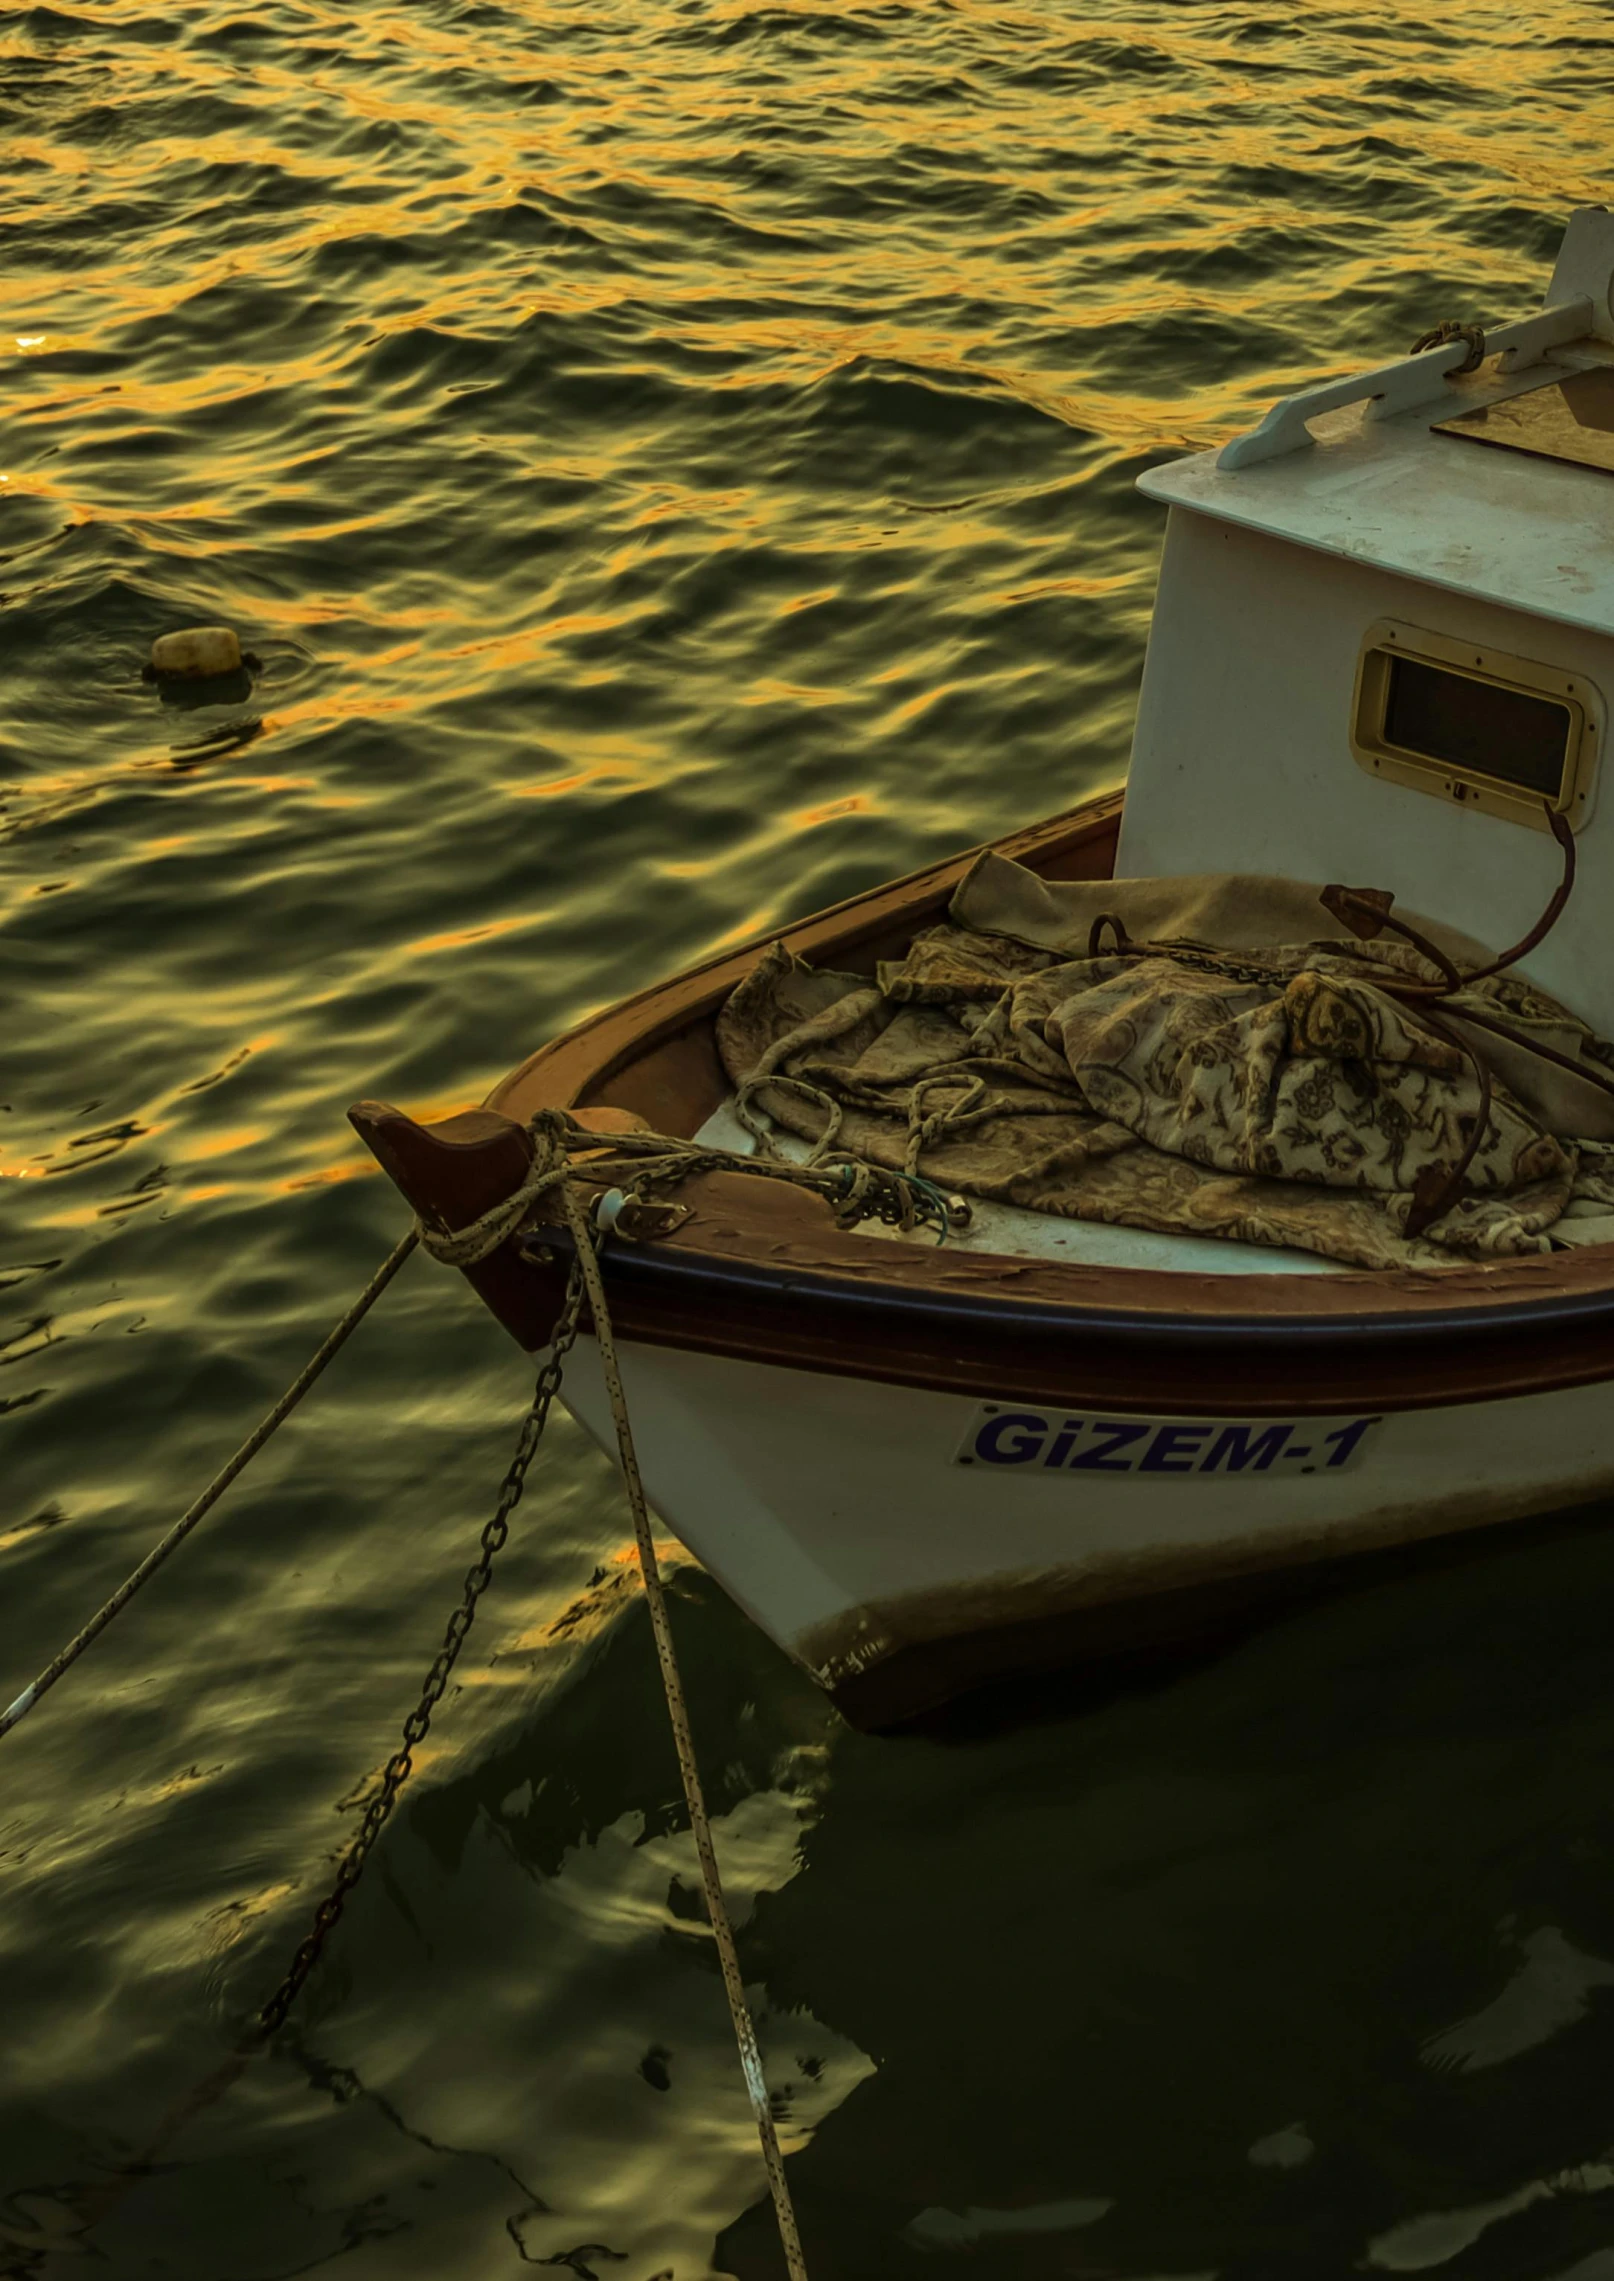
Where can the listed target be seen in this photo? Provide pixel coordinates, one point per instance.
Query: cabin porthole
(1483, 728)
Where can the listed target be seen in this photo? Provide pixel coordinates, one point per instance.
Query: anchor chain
(400, 1765)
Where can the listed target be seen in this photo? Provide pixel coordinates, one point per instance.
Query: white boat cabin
(1385, 635)
(1383, 643)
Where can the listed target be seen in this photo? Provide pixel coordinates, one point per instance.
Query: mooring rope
(854, 1188)
(463, 1247)
(745, 2034)
(556, 1138)
(215, 1489)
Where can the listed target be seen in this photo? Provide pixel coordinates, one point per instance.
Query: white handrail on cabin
(1398, 387)
(1579, 301)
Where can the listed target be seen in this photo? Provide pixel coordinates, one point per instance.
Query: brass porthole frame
(1388, 638)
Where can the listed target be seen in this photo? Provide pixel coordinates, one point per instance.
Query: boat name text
(1046, 1441)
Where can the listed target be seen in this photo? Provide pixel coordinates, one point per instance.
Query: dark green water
(675, 463)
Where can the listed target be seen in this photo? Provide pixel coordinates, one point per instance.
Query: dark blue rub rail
(666, 1270)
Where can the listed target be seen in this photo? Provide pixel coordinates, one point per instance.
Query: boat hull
(835, 1511)
(799, 1391)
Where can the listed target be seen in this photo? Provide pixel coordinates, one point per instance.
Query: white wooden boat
(1383, 649)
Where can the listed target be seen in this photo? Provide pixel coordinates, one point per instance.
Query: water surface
(674, 462)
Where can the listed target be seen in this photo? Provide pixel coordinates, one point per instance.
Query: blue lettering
(1243, 1448)
(1030, 1433)
(1063, 1442)
(1346, 1439)
(1099, 1456)
(1173, 1450)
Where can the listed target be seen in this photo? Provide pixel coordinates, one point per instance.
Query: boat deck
(1010, 1231)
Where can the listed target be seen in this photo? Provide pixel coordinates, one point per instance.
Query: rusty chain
(401, 1764)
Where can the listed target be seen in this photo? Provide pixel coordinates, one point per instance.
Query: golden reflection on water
(676, 467)
(1170, 215)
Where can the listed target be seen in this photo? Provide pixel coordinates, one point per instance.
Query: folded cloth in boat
(1254, 911)
(1224, 1082)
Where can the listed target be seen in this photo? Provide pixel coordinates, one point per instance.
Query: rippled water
(674, 462)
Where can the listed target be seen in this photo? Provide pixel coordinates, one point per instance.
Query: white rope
(463, 1247)
(745, 2034)
(213, 1492)
(550, 1169)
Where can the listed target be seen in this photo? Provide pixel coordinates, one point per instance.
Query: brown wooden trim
(449, 1174)
(577, 1067)
(759, 1272)
(783, 1308)
(741, 1221)
(762, 1273)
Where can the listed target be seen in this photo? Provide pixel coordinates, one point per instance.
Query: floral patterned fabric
(1274, 1094)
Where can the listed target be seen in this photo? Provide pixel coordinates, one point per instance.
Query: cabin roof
(1530, 533)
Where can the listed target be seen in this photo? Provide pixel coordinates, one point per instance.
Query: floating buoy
(200, 653)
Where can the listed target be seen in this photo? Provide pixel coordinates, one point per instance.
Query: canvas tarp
(1249, 1078)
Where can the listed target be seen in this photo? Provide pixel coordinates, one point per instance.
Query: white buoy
(200, 653)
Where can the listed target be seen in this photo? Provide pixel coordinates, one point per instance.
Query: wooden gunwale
(763, 1280)
(578, 1067)
(708, 1292)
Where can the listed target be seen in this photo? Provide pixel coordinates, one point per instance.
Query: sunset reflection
(674, 469)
